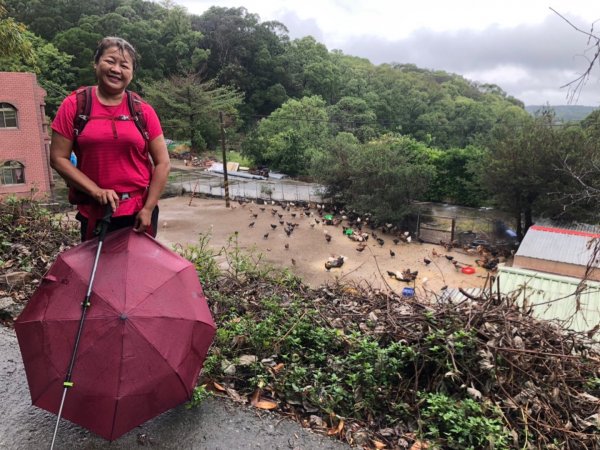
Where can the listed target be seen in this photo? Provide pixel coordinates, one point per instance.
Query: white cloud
(520, 45)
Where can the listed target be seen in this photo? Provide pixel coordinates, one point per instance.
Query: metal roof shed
(559, 251)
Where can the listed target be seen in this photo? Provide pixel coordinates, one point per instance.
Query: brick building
(24, 141)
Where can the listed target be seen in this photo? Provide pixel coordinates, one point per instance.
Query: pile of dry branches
(544, 380)
(30, 238)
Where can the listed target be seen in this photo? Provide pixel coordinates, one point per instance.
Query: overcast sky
(520, 45)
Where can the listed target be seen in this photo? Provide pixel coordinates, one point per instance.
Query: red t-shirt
(111, 152)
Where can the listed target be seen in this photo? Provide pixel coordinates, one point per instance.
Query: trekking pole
(104, 222)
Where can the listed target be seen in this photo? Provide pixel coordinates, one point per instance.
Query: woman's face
(114, 70)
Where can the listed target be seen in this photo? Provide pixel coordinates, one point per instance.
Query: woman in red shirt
(117, 166)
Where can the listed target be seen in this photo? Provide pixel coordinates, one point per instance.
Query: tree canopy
(362, 129)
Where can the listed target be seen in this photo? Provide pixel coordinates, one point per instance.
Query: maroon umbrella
(145, 337)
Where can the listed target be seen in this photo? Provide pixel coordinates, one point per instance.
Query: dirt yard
(305, 251)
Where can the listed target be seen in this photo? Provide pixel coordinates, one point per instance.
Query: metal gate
(436, 229)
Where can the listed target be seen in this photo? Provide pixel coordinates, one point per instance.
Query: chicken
(427, 261)
(399, 276)
(488, 264)
(334, 262)
(392, 253)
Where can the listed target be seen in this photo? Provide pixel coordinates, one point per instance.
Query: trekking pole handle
(105, 221)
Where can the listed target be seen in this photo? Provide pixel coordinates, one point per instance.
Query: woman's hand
(107, 196)
(143, 220)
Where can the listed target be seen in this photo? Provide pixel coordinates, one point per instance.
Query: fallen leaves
(260, 402)
(337, 429)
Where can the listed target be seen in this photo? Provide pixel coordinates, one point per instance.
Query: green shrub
(462, 424)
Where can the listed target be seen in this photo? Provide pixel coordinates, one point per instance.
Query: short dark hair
(121, 44)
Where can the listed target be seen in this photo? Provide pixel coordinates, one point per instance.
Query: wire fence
(210, 184)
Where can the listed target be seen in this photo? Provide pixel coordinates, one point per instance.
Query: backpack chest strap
(112, 119)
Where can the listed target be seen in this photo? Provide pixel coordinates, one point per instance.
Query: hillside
(565, 113)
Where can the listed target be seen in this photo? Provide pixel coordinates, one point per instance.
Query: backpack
(82, 117)
(84, 108)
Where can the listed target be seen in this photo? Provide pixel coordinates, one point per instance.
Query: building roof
(553, 296)
(558, 244)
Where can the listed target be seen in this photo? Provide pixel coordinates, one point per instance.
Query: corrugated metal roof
(553, 296)
(572, 226)
(555, 244)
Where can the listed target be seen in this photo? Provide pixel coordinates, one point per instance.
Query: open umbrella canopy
(144, 339)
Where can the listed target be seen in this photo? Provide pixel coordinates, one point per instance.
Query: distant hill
(566, 113)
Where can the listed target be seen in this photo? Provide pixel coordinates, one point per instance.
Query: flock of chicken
(357, 228)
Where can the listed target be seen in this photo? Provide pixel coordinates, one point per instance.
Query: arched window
(12, 172)
(8, 116)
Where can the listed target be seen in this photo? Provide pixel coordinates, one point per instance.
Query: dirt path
(182, 221)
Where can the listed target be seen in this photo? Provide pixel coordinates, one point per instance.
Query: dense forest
(378, 137)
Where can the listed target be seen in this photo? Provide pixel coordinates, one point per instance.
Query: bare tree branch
(575, 86)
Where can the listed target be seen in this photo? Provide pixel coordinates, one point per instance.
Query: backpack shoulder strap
(134, 101)
(84, 107)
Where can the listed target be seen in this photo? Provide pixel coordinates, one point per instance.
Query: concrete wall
(29, 143)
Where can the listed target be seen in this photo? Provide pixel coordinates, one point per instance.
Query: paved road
(216, 425)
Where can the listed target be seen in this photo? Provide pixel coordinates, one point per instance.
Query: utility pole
(225, 180)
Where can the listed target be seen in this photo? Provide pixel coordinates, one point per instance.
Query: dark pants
(116, 223)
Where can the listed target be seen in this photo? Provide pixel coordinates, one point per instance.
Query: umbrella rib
(161, 355)
(117, 397)
(145, 299)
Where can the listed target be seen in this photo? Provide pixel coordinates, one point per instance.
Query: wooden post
(225, 179)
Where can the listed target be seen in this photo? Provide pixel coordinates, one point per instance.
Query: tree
(12, 36)
(52, 67)
(382, 177)
(292, 137)
(81, 43)
(521, 167)
(189, 108)
(455, 181)
(353, 115)
(247, 54)
(579, 149)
